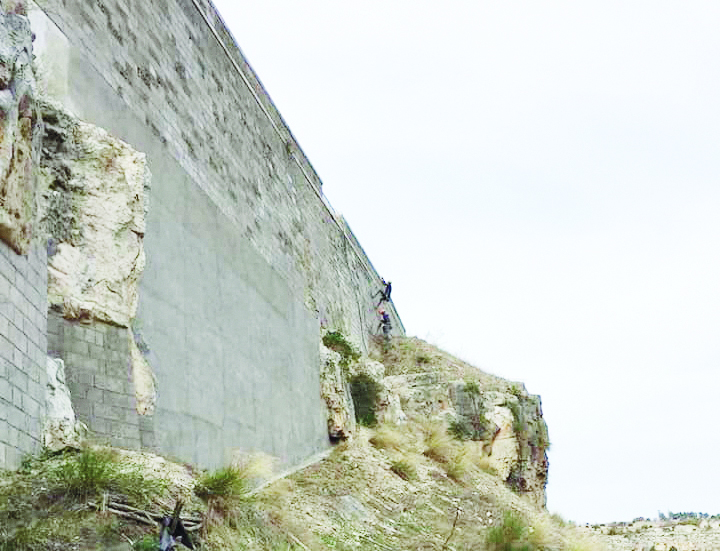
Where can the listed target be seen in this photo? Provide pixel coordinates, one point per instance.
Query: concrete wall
(23, 323)
(172, 67)
(245, 258)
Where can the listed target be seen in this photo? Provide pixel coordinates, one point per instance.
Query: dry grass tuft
(439, 445)
(388, 437)
(405, 466)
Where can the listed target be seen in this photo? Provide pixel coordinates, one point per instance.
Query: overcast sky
(539, 180)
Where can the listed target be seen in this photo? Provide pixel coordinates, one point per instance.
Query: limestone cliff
(411, 379)
(94, 200)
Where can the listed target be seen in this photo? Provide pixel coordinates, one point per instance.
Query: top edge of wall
(224, 36)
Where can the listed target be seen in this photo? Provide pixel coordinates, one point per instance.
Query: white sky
(539, 180)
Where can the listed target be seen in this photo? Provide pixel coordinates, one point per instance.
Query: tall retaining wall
(23, 323)
(245, 258)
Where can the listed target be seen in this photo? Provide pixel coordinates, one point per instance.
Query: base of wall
(97, 368)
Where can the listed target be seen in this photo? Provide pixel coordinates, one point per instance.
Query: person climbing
(385, 323)
(385, 292)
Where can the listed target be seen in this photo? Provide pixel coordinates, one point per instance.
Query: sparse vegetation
(85, 475)
(476, 425)
(387, 437)
(405, 486)
(404, 468)
(364, 391)
(223, 484)
(334, 340)
(511, 535)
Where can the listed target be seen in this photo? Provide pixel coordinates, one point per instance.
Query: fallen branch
(192, 524)
(457, 515)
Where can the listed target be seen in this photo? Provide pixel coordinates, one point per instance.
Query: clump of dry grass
(439, 446)
(405, 467)
(459, 465)
(389, 437)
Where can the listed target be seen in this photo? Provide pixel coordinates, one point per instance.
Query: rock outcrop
(20, 132)
(336, 394)
(412, 379)
(61, 429)
(93, 209)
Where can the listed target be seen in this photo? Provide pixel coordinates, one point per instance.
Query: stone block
(4, 325)
(7, 350)
(6, 390)
(111, 383)
(116, 368)
(116, 399)
(94, 395)
(16, 418)
(13, 456)
(17, 398)
(124, 430)
(37, 392)
(96, 352)
(111, 413)
(26, 443)
(19, 379)
(147, 439)
(80, 348)
(17, 337)
(83, 408)
(5, 276)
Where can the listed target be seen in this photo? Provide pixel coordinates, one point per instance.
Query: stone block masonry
(175, 67)
(246, 261)
(97, 370)
(23, 345)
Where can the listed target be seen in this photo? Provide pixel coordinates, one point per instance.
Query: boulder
(61, 429)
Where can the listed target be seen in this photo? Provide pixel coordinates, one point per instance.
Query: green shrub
(334, 340)
(90, 472)
(225, 484)
(364, 392)
(461, 428)
(472, 388)
(511, 535)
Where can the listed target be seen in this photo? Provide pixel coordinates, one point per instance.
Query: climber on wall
(385, 323)
(384, 293)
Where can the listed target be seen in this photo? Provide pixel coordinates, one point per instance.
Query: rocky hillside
(690, 534)
(428, 455)
(411, 379)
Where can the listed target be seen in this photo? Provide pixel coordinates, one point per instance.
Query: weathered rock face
(61, 429)
(20, 132)
(501, 414)
(93, 208)
(334, 390)
(143, 378)
(387, 401)
(514, 431)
